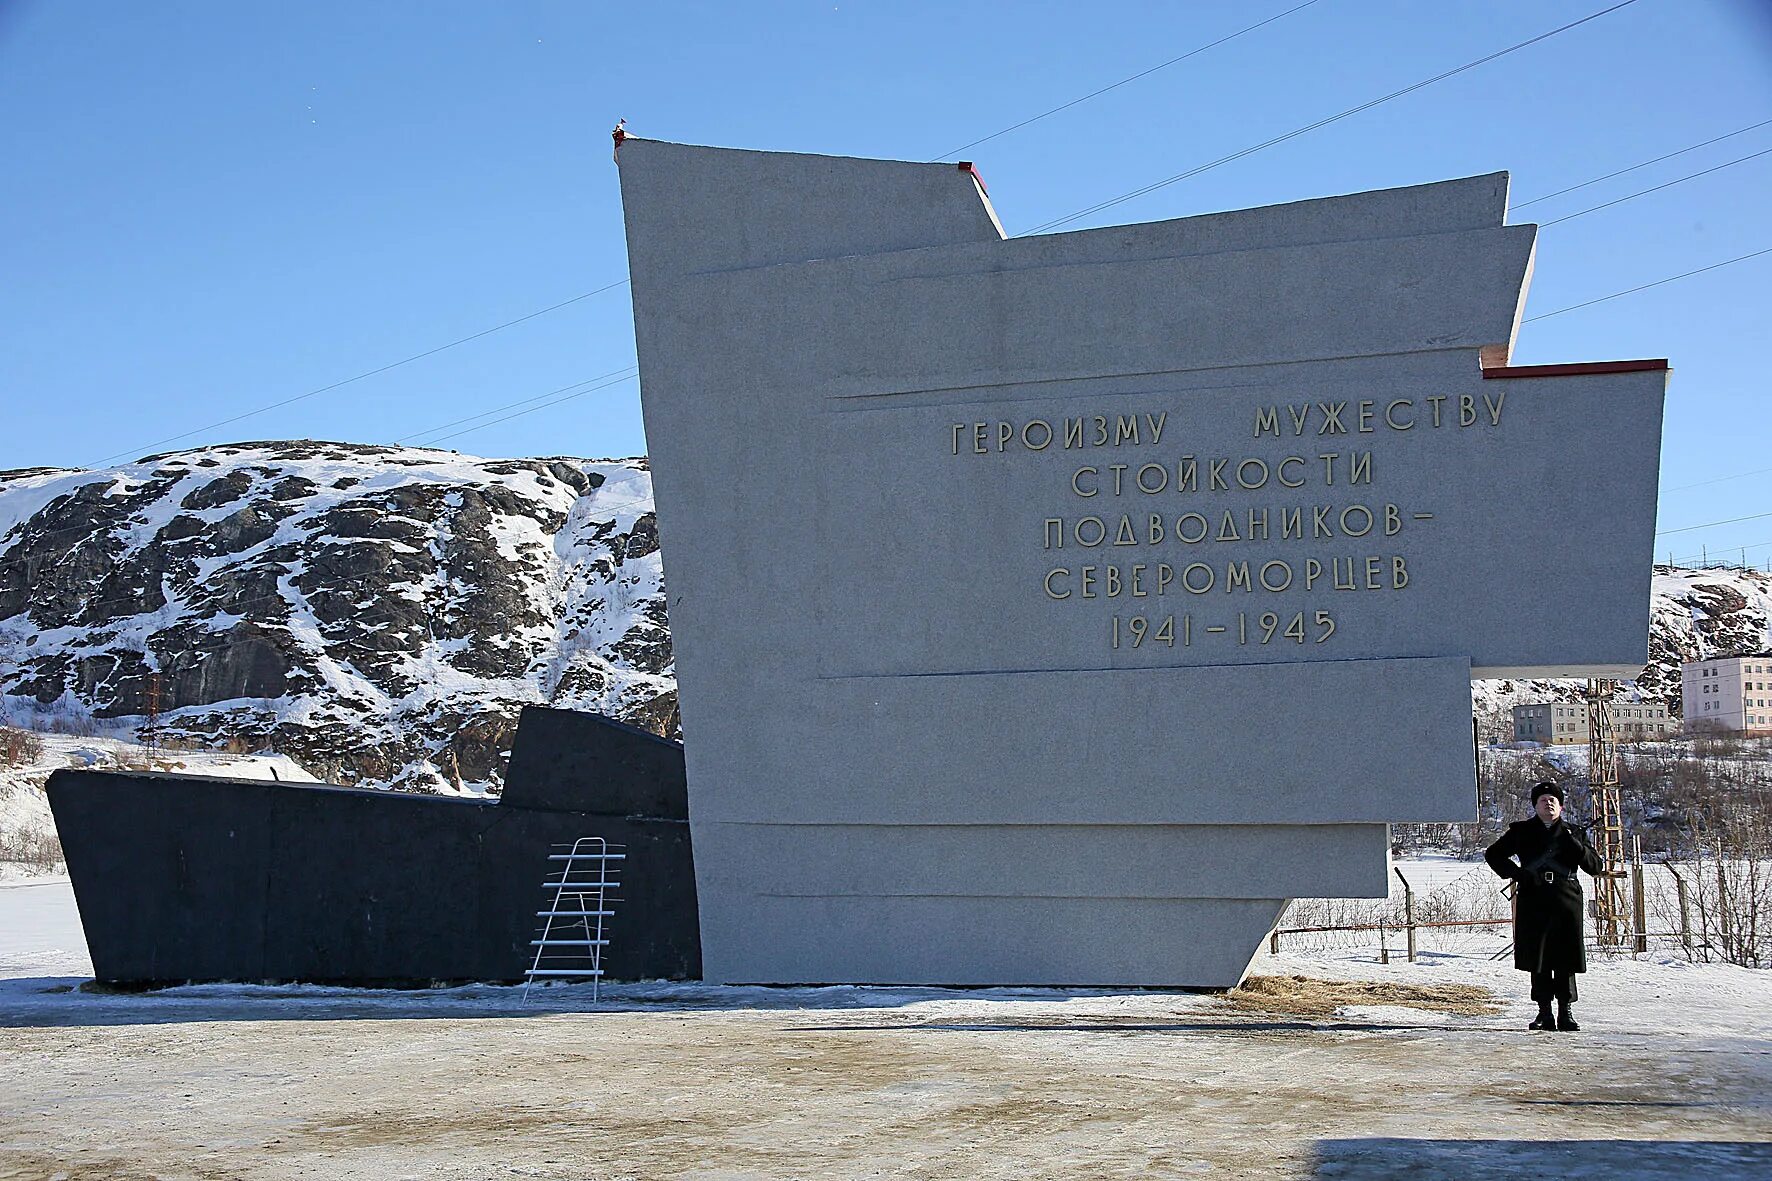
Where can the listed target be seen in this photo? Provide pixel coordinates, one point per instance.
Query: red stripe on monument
(1575, 370)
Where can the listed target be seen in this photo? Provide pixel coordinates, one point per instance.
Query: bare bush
(1730, 898)
(134, 760)
(41, 851)
(77, 725)
(19, 748)
(1726, 743)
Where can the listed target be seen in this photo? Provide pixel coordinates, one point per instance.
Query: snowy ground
(1672, 1076)
(69, 750)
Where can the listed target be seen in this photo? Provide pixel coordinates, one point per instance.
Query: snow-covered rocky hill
(380, 614)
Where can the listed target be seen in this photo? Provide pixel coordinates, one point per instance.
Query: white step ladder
(580, 899)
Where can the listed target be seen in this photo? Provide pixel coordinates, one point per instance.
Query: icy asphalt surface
(1672, 1076)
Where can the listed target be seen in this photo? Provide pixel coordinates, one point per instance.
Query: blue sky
(213, 206)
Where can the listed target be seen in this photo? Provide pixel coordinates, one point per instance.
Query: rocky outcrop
(380, 613)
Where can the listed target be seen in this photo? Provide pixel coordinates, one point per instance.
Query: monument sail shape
(1050, 610)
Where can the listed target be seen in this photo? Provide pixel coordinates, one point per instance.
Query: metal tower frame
(1612, 909)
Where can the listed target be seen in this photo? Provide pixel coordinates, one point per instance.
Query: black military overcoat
(1548, 912)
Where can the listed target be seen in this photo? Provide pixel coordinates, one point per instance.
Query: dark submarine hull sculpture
(184, 879)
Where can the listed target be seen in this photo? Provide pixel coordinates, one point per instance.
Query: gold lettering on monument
(1200, 556)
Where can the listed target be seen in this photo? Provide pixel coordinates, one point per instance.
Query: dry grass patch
(1309, 997)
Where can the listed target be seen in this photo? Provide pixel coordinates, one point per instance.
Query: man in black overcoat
(1541, 855)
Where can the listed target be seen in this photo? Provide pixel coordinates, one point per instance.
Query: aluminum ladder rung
(564, 972)
(569, 943)
(579, 887)
(573, 914)
(587, 856)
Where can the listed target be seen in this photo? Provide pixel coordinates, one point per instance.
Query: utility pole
(151, 736)
(1612, 910)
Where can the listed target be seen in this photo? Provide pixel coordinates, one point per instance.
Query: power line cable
(588, 294)
(1760, 471)
(1122, 82)
(1309, 127)
(626, 372)
(1714, 524)
(431, 352)
(1596, 180)
(1544, 225)
(533, 409)
(1646, 286)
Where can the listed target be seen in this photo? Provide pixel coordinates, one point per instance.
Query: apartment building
(1557, 723)
(1732, 694)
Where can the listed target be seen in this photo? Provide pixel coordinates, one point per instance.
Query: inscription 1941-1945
(1179, 555)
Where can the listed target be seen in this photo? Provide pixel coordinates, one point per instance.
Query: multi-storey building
(1563, 724)
(1730, 694)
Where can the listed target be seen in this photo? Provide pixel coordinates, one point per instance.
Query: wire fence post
(1408, 911)
(1725, 928)
(1639, 912)
(1704, 941)
(1685, 908)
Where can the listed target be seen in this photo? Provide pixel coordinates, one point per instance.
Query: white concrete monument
(1050, 610)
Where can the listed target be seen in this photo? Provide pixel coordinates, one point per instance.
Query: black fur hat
(1546, 788)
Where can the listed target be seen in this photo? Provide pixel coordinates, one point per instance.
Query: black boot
(1544, 1020)
(1566, 1019)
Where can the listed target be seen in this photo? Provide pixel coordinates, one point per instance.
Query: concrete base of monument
(1055, 905)
(1204, 943)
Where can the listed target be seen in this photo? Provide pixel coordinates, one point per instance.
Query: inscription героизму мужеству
(1158, 578)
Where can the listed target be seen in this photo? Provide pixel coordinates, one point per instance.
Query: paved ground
(1671, 1078)
(721, 1083)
